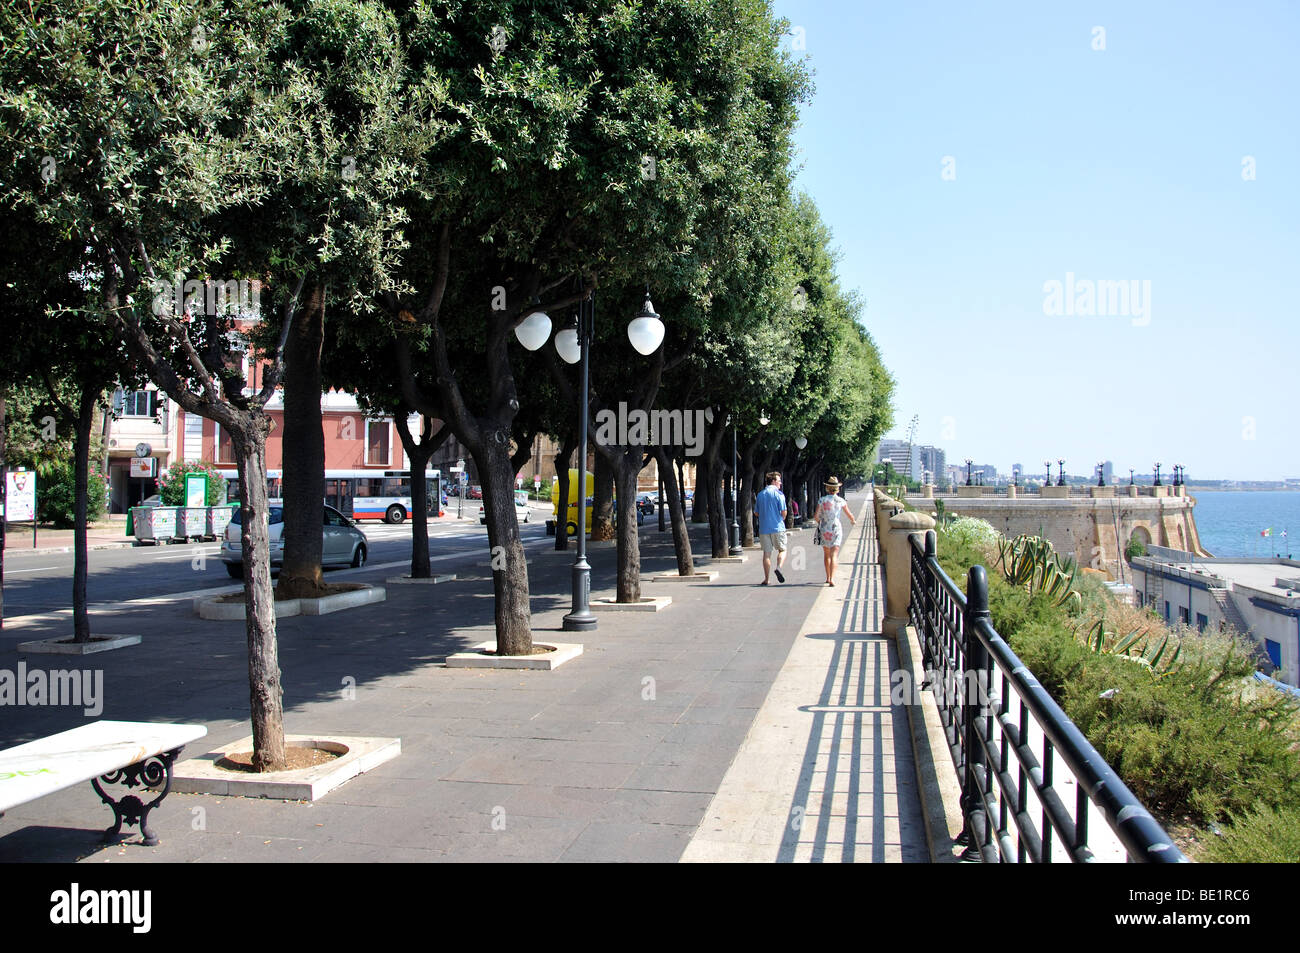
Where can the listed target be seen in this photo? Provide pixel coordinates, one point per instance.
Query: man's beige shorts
(772, 541)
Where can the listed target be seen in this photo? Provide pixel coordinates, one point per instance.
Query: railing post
(928, 609)
(974, 664)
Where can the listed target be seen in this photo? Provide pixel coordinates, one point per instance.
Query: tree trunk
(700, 508)
(677, 513)
(745, 485)
(419, 456)
(304, 451)
(266, 701)
(419, 453)
(81, 484)
(562, 458)
(717, 511)
(509, 568)
(4, 482)
(602, 507)
(629, 539)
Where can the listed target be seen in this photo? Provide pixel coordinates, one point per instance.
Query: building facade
(1258, 597)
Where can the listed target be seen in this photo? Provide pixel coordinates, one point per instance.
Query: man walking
(770, 507)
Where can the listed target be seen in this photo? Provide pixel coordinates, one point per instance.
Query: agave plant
(1032, 562)
(1138, 646)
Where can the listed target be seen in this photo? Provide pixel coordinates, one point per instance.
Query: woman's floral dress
(828, 519)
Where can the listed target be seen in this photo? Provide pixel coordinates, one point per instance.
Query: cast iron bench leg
(152, 772)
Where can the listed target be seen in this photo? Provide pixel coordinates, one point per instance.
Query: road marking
(21, 621)
(37, 569)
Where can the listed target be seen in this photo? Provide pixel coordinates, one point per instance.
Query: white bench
(133, 753)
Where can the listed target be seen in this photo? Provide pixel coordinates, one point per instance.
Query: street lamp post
(1048, 464)
(460, 497)
(580, 617)
(1101, 473)
(1015, 477)
(646, 332)
(1130, 477)
(1157, 479)
(1061, 479)
(969, 461)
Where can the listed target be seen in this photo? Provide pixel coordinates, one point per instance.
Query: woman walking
(829, 508)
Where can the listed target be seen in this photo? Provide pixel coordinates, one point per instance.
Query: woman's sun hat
(832, 485)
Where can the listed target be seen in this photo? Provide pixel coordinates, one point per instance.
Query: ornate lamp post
(1061, 480)
(1157, 479)
(969, 461)
(1101, 473)
(1015, 477)
(1048, 464)
(1130, 477)
(646, 332)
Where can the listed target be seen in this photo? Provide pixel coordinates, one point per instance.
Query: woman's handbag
(817, 536)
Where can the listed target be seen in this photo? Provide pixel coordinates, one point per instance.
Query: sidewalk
(628, 753)
(108, 533)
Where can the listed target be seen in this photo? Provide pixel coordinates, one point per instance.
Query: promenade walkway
(826, 772)
(697, 733)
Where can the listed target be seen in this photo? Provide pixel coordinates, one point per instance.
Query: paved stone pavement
(620, 755)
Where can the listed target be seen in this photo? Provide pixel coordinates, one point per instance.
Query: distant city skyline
(1073, 227)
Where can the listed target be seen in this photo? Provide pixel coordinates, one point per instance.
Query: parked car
(343, 543)
(522, 510)
(474, 493)
(646, 504)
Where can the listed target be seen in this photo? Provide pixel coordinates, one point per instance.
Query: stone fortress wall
(1094, 528)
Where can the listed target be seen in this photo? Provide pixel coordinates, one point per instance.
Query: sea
(1232, 522)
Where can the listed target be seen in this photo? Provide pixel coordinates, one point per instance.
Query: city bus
(362, 495)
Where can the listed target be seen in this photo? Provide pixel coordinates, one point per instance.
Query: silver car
(342, 544)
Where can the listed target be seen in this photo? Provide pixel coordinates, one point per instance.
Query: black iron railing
(1006, 735)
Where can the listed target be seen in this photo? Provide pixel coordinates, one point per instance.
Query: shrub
(171, 484)
(1202, 742)
(1193, 742)
(56, 497)
(1264, 836)
(968, 529)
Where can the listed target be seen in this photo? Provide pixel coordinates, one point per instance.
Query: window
(1182, 615)
(1202, 621)
(136, 403)
(225, 446)
(1166, 610)
(377, 442)
(369, 486)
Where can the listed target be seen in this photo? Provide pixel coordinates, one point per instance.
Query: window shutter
(119, 401)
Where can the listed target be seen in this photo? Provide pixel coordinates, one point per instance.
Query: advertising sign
(145, 467)
(196, 489)
(20, 495)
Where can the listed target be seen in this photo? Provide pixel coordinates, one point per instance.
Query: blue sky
(1120, 164)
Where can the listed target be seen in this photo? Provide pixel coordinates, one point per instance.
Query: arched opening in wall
(1139, 541)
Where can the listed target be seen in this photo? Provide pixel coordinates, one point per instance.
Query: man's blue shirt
(769, 505)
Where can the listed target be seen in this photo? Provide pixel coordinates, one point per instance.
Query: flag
(1266, 532)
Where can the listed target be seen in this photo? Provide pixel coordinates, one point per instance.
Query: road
(42, 582)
